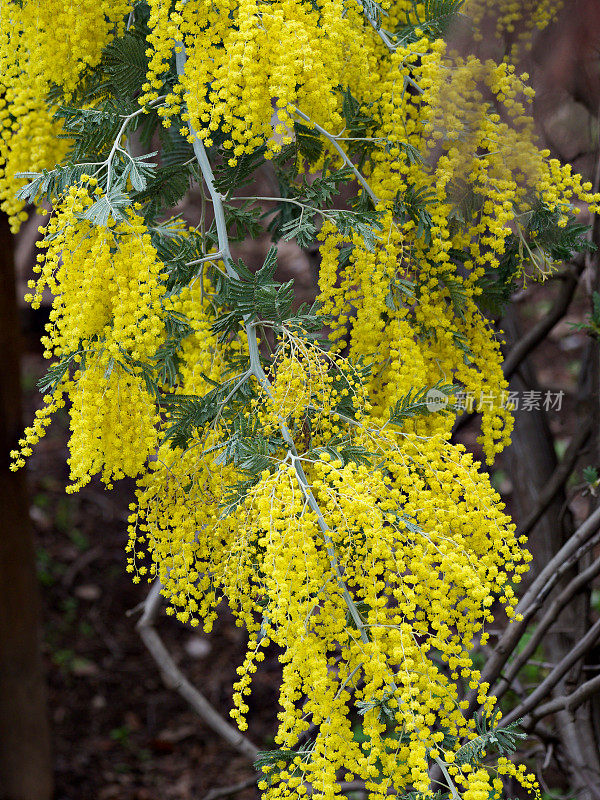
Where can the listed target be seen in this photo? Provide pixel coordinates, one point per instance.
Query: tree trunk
(25, 761)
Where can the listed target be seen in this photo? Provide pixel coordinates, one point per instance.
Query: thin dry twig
(542, 328)
(175, 679)
(567, 702)
(80, 563)
(546, 686)
(558, 478)
(572, 550)
(234, 788)
(571, 589)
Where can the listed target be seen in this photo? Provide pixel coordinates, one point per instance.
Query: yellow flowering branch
(313, 486)
(255, 365)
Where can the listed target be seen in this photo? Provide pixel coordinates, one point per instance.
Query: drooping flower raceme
(295, 461)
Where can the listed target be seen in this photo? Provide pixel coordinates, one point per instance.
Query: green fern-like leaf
(432, 19)
(92, 131)
(490, 737)
(256, 296)
(109, 206)
(344, 450)
(188, 413)
(51, 184)
(228, 177)
(413, 205)
(422, 402)
(165, 188)
(56, 373)
(126, 64)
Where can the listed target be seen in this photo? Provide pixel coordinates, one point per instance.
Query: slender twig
(345, 158)
(324, 212)
(210, 257)
(242, 380)
(383, 36)
(567, 702)
(450, 783)
(116, 145)
(391, 46)
(175, 679)
(558, 478)
(571, 589)
(542, 328)
(84, 560)
(234, 788)
(532, 599)
(546, 686)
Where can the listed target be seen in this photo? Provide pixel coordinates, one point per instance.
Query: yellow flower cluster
(420, 547)
(106, 316)
(190, 485)
(113, 422)
(478, 174)
(32, 58)
(478, 786)
(513, 20)
(105, 281)
(250, 63)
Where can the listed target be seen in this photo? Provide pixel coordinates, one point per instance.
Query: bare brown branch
(567, 702)
(579, 543)
(546, 686)
(175, 679)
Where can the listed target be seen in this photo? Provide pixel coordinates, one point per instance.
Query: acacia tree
(295, 460)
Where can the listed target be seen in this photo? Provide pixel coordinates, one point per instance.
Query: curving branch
(541, 329)
(567, 702)
(347, 161)
(175, 679)
(234, 788)
(581, 541)
(558, 478)
(545, 687)
(571, 589)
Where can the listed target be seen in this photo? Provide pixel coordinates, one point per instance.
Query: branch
(391, 45)
(255, 365)
(116, 144)
(566, 566)
(535, 335)
(347, 161)
(546, 686)
(567, 702)
(558, 478)
(579, 543)
(175, 679)
(542, 328)
(234, 788)
(549, 617)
